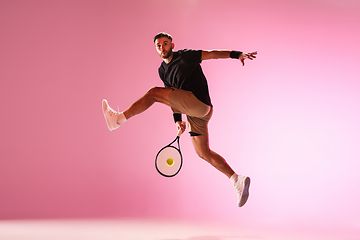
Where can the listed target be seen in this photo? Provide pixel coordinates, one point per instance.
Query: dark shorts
(198, 113)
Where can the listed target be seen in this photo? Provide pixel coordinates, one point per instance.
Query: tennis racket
(168, 161)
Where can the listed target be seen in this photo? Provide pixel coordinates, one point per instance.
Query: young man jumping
(186, 92)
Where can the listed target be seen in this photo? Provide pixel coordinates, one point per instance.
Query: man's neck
(167, 60)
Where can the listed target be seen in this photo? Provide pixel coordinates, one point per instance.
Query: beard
(167, 54)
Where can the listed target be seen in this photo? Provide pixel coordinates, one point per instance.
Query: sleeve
(192, 56)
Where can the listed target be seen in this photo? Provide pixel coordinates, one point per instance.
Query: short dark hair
(162, 34)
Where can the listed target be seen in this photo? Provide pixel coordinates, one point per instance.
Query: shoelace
(112, 111)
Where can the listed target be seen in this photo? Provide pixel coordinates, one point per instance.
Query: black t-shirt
(184, 72)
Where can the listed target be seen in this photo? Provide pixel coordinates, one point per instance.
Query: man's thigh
(161, 94)
(201, 144)
(199, 125)
(185, 102)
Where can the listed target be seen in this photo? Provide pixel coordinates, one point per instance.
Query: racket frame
(177, 139)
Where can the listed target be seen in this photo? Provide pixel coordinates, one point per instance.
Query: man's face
(164, 47)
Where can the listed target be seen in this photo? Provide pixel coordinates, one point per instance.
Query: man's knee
(203, 153)
(159, 94)
(153, 91)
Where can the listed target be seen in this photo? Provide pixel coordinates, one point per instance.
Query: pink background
(289, 119)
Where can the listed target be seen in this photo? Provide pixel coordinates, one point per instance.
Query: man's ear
(172, 45)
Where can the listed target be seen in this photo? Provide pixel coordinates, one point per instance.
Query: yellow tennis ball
(170, 162)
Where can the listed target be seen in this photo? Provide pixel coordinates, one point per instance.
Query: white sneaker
(241, 185)
(111, 116)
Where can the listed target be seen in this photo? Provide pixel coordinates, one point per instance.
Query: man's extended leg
(155, 94)
(241, 183)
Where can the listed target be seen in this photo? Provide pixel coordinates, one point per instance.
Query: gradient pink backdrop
(290, 119)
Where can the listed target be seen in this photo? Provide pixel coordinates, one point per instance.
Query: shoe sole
(245, 194)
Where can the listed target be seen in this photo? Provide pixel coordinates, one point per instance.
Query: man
(186, 92)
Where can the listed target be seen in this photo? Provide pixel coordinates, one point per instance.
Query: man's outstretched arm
(217, 54)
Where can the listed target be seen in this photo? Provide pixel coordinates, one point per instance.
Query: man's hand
(181, 126)
(244, 56)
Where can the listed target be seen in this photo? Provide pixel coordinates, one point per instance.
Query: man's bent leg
(155, 94)
(201, 145)
(241, 183)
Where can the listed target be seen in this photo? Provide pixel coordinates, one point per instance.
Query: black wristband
(235, 54)
(177, 117)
